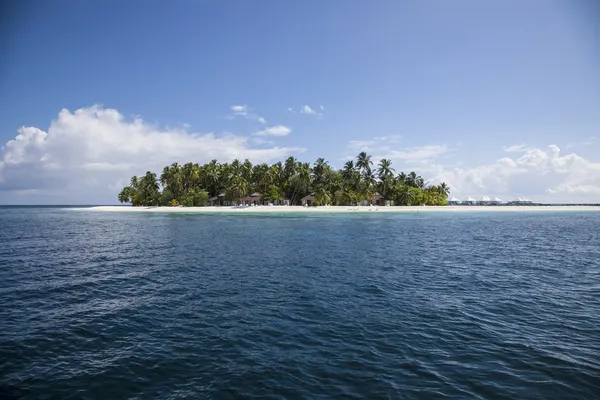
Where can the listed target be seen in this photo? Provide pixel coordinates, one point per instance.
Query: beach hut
(284, 202)
(379, 200)
(496, 201)
(307, 200)
(376, 200)
(218, 200)
(252, 200)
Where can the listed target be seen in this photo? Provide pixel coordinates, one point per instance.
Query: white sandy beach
(343, 209)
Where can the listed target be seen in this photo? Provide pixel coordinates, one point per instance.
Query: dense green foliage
(192, 184)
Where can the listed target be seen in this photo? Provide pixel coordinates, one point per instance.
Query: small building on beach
(521, 201)
(256, 199)
(376, 200)
(470, 201)
(454, 201)
(252, 200)
(307, 200)
(219, 200)
(484, 201)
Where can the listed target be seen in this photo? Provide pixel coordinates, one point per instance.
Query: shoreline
(338, 209)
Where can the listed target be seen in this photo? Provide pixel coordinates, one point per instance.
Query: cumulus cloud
(277, 130)
(545, 175)
(308, 110)
(245, 112)
(100, 148)
(239, 110)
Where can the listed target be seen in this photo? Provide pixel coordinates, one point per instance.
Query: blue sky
(496, 98)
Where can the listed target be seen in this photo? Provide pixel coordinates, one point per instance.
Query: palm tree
(444, 189)
(369, 178)
(134, 182)
(386, 186)
(190, 175)
(126, 194)
(363, 161)
(267, 178)
(300, 181)
(277, 171)
(236, 166)
(260, 179)
(414, 180)
(171, 179)
(237, 189)
(149, 189)
(348, 169)
(304, 172)
(247, 170)
(319, 170)
(385, 169)
(406, 195)
(212, 177)
(289, 167)
(401, 178)
(322, 197)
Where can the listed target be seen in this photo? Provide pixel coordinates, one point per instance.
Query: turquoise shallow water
(403, 306)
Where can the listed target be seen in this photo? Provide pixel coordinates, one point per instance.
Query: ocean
(478, 305)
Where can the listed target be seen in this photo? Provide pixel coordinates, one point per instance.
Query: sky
(497, 98)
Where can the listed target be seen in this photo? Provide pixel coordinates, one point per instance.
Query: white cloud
(577, 189)
(245, 112)
(361, 145)
(277, 130)
(545, 175)
(421, 153)
(100, 147)
(262, 141)
(516, 148)
(308, 110)
(240, 110)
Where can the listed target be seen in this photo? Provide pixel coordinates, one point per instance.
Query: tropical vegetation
(359, 180)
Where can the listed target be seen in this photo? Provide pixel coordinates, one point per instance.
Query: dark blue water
(408, 306)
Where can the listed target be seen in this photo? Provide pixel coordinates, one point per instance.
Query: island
(358, 183)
